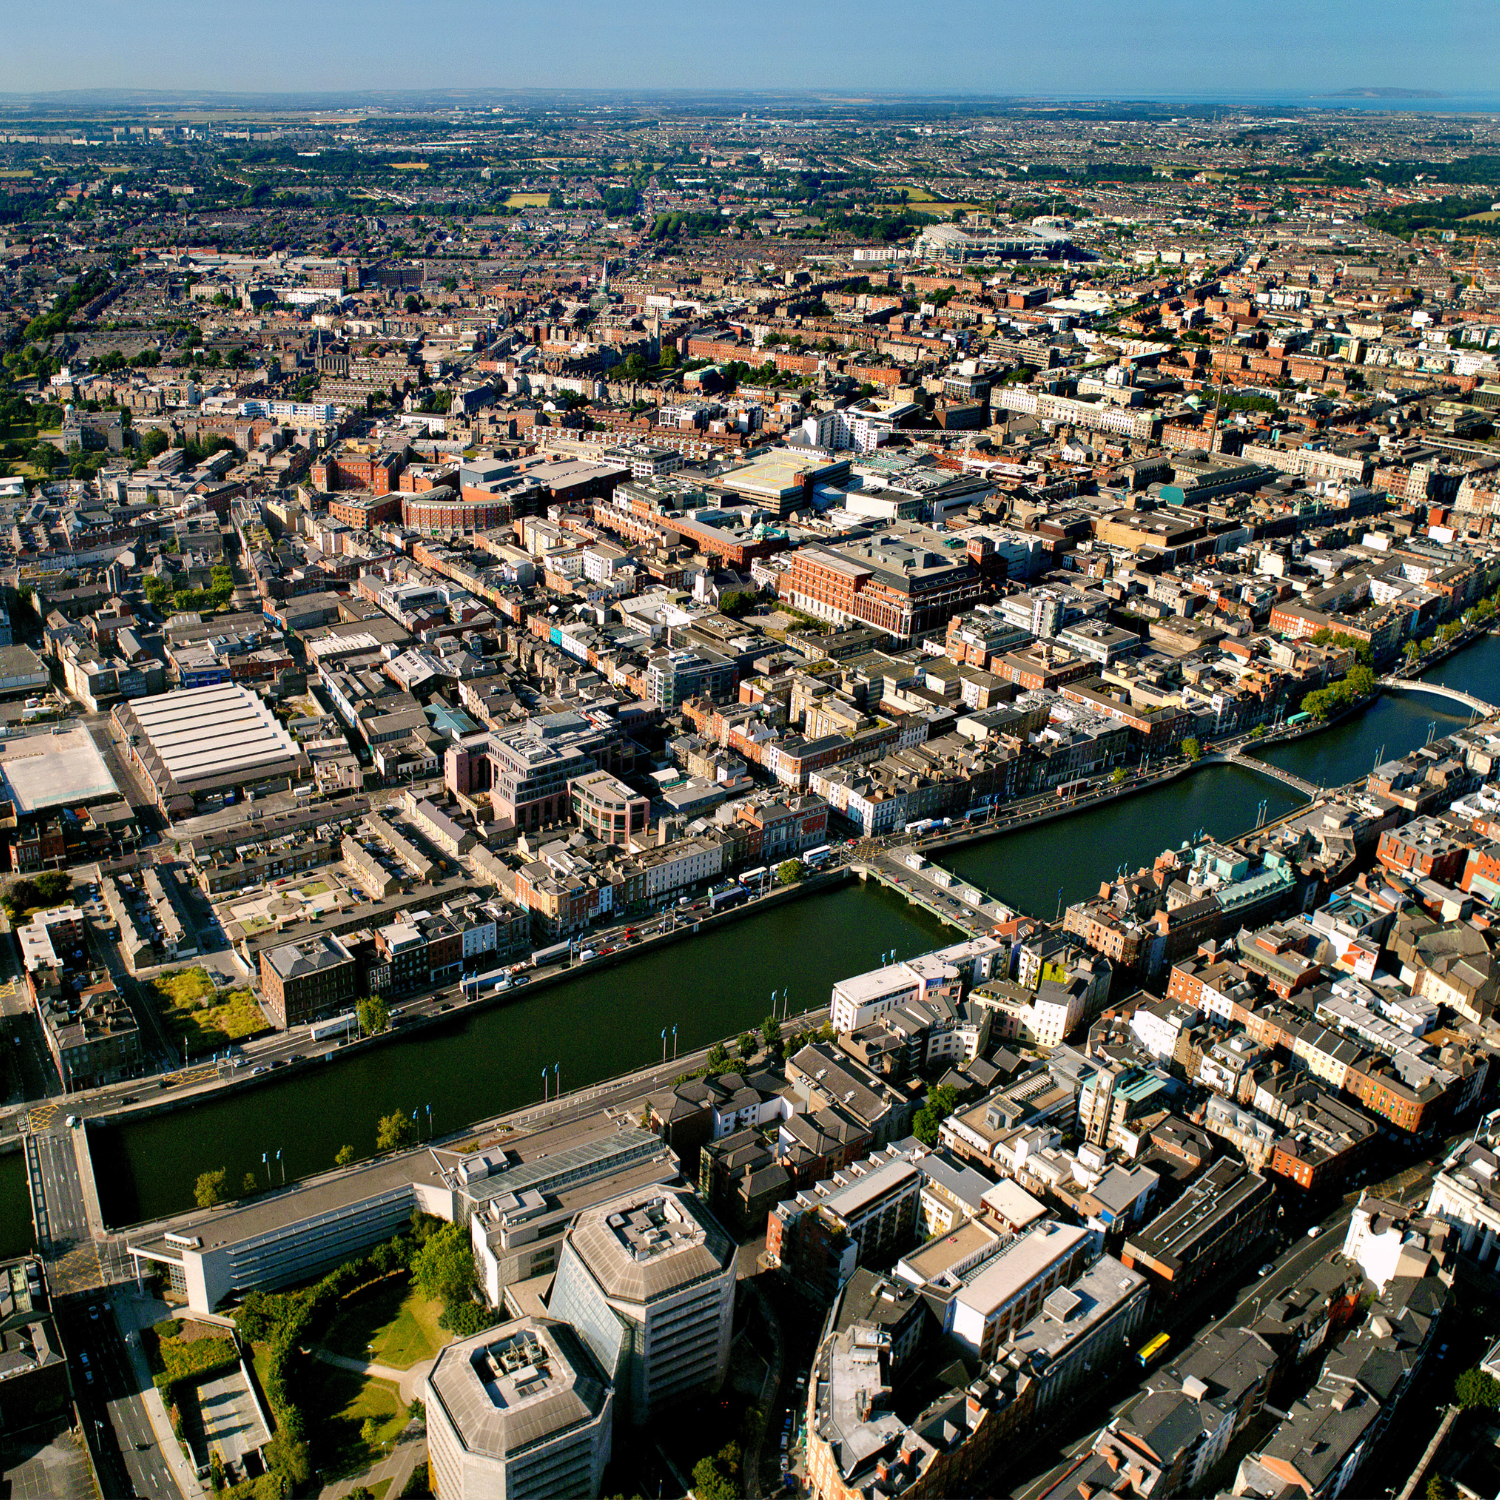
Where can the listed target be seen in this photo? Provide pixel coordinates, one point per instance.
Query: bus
(754, 878)
(1148, 1354)
(819, 856)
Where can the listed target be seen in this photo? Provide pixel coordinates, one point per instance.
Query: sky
(1073, 48)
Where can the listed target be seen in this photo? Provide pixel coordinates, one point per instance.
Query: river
(610, 1021)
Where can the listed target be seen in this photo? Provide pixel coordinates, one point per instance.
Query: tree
(1192, 748)
(369, 1432)
(343, 1156)
(154, 443)
(941, 1103)
(1118, 775)
(443, 1269)
(718, 1058)
(211, 1188)
(770, 1035)
(373, 1013)
(717, 1478)
(1361, 680)
(1476, 1389)
(789, 871)
(747, 1045)
(248, 1184)
(1438, 1488)
(395, 1131)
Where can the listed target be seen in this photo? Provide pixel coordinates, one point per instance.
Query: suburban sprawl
(552, 561)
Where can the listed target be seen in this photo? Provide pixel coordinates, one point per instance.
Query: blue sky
(1227, 48)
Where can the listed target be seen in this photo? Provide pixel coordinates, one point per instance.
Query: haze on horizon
(1162, 48)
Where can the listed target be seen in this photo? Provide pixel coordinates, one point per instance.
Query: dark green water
(611, 1021)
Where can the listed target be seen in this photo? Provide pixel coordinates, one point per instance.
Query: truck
(727, 896)
(555, 954)
(338, 1026)
(920, 826)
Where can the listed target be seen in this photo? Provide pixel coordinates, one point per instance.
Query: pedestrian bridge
(1416, 685)
(1287, 778)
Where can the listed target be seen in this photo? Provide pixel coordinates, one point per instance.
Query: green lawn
(342, 1400)
(397, 1319)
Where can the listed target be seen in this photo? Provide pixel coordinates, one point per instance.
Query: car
(522, 979)
(94, 1312)
(1266, 1269)
(294, 1057)
(1314, 1232)
(83, 1358)
(257, 1071)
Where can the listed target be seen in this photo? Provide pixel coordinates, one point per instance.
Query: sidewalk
(408, 1382)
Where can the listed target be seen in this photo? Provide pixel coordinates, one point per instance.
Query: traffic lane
(64, 1192)
(116, 1396)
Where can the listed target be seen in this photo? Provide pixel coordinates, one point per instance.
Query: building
(521, 1200)
(824, 1232)
(34, 1386)
(1080, 1332)
(648, 1279)
(196, 745)
(1213, 1224)
(1003, 1292)
(300, 980)
(606, 808)
(859, 1448)
(906, 580)
(519, 1412)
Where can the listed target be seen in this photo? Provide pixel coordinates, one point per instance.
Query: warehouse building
(197, 746)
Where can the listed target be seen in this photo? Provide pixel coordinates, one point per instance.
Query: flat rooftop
(38, 771)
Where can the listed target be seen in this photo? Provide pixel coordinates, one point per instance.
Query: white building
(522, 1411)
(648, 1279)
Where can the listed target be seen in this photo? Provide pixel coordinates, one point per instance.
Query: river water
(610, 1021)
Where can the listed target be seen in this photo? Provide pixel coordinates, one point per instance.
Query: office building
(518, 1412)
(1213, 1224)
(647, 1279)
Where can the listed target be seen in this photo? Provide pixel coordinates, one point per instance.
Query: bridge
(1288, 778)
(1416, 685)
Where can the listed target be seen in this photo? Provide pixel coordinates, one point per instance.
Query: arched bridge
(1289, 778)
(1416, 685)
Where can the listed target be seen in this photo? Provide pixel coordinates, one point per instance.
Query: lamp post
(664, 1044)
(265, 1162)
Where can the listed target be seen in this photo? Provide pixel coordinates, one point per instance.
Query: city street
(108, 1387)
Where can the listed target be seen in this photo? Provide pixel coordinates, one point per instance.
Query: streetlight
(283, 1169)
(544, 1085)
(265, 1162)
(557, 1080)
(674, 1041)
(663, 1044)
